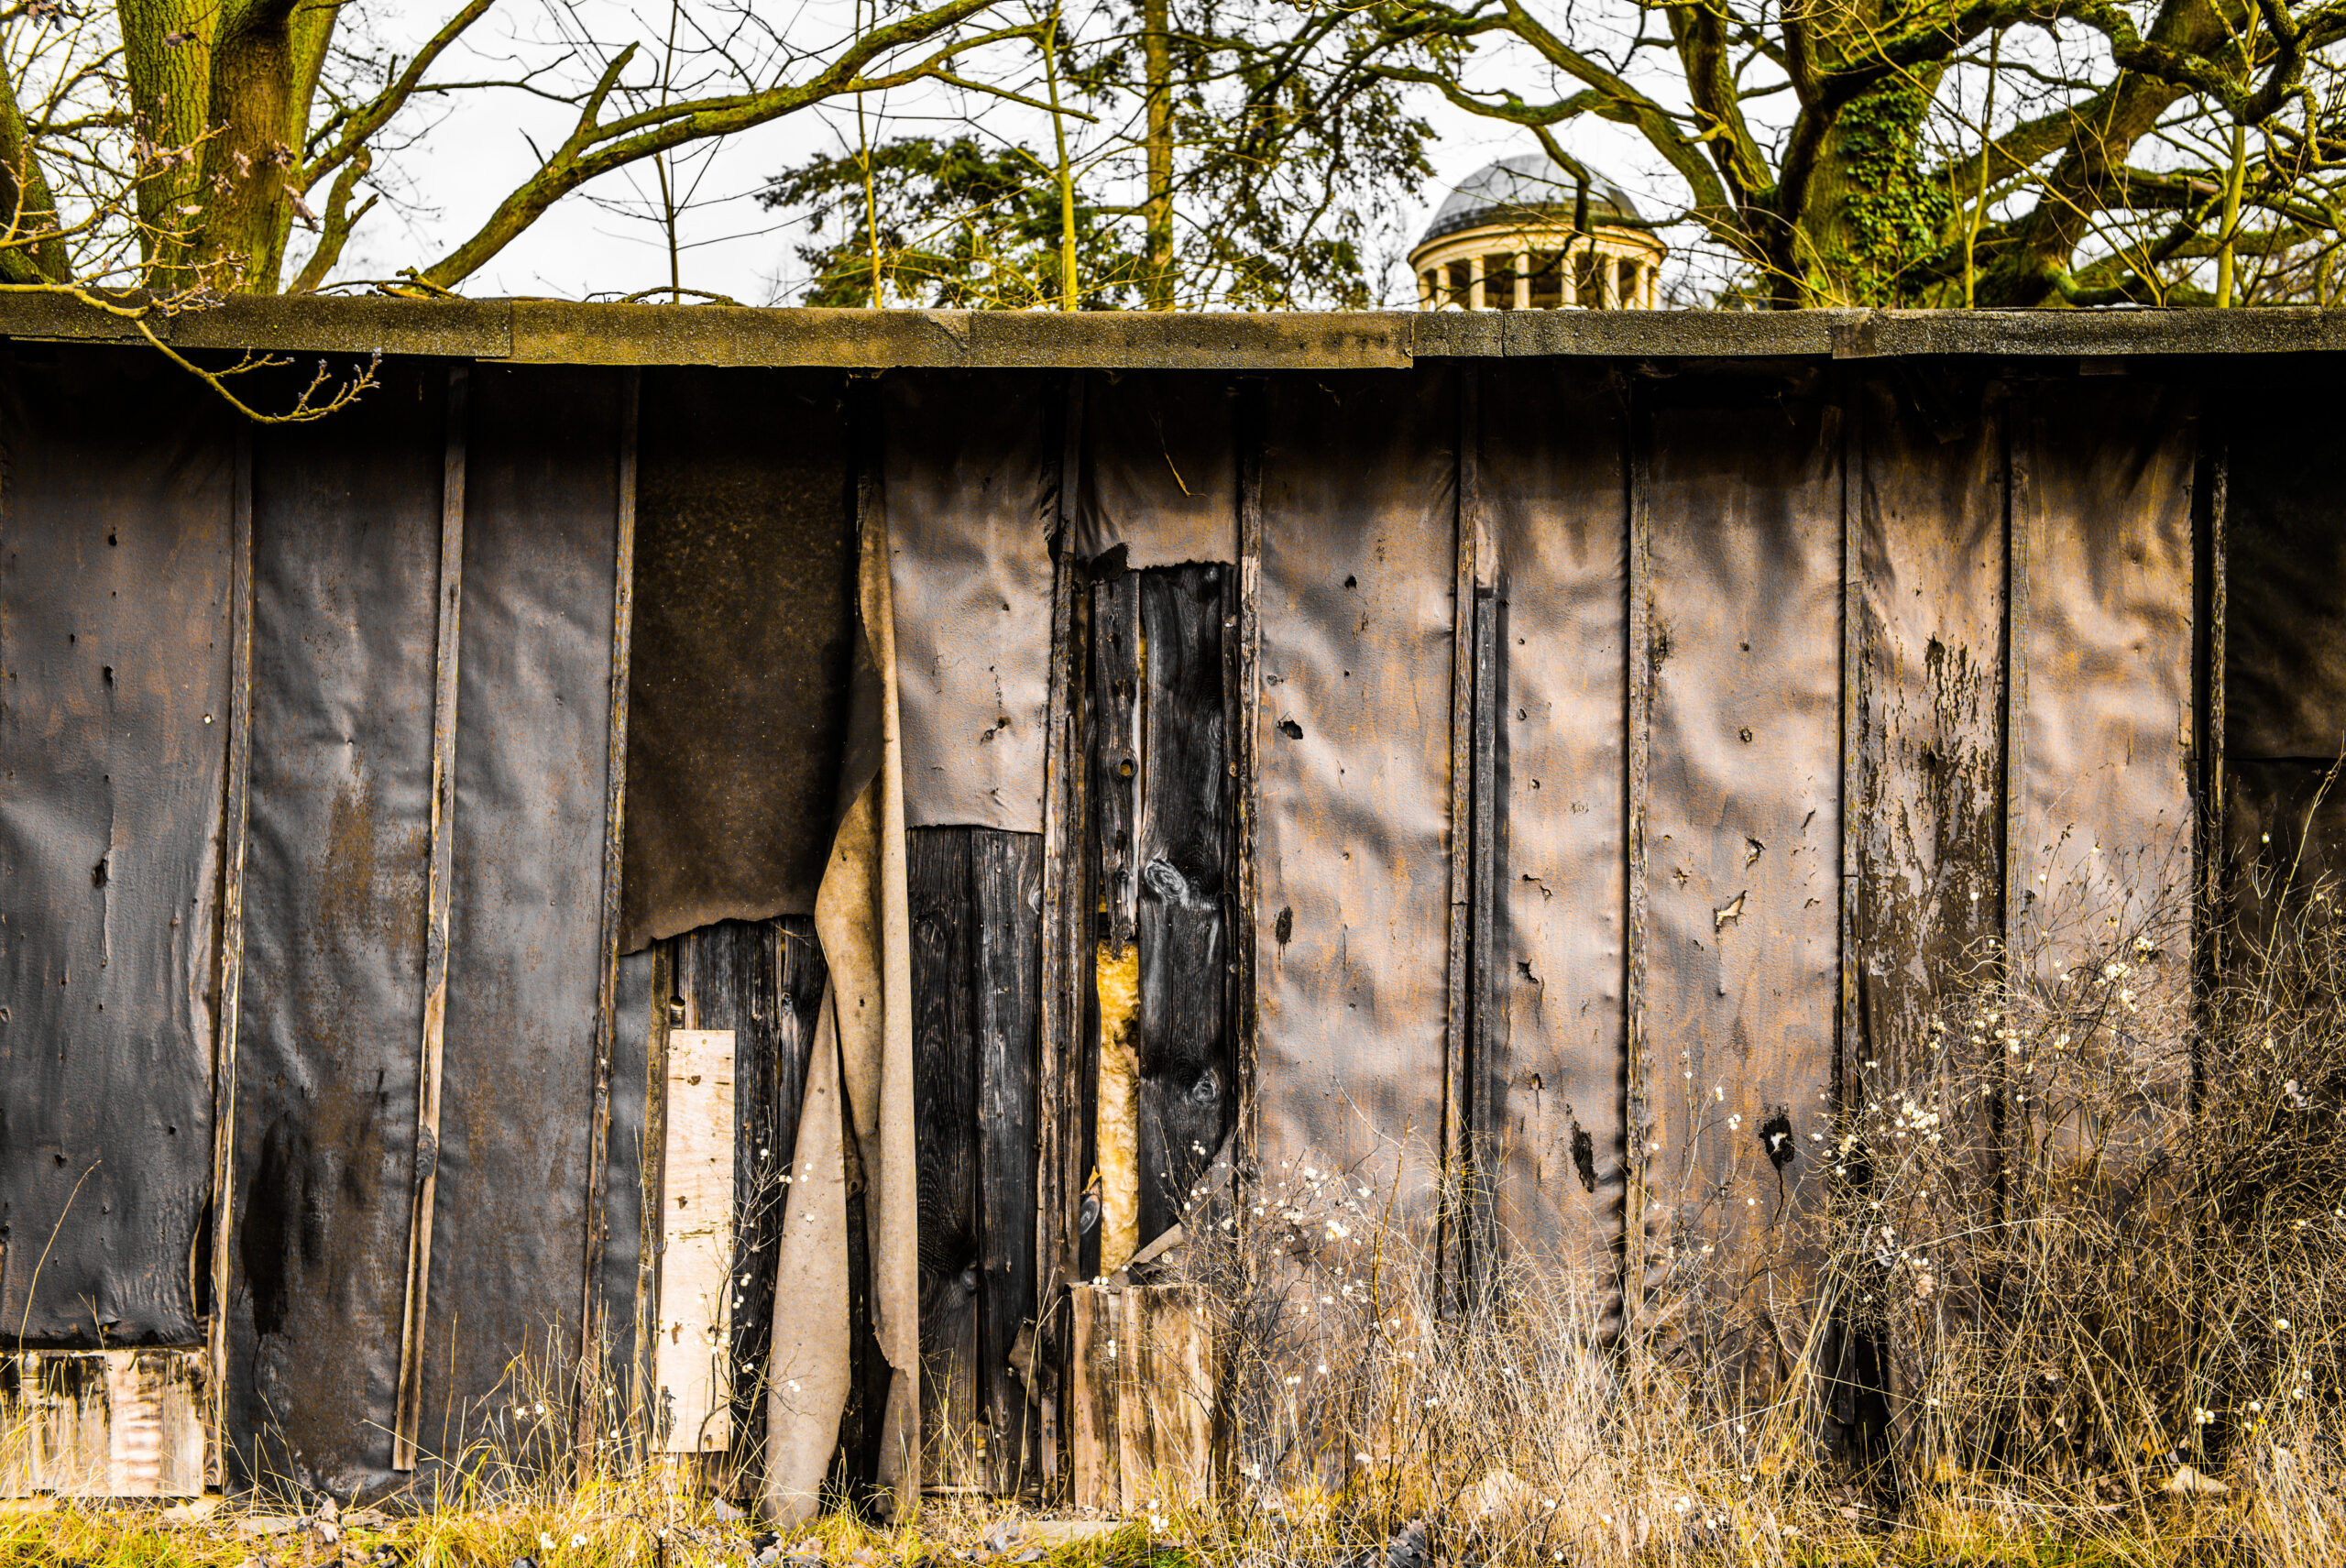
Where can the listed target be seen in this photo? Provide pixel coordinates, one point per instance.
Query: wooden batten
(1142, 1396)
(439, 876)
(692, 1370)
(115, 1423)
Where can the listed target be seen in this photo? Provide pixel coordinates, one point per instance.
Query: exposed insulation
(1117, 1135)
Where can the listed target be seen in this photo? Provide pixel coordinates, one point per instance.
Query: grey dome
(1532, 185)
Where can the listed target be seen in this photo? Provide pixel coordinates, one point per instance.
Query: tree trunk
(1872, 211)
(247, 161)
(167, 54)
(1156, 53)
(26, 207)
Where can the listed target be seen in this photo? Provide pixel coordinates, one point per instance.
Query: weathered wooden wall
(1580, 773)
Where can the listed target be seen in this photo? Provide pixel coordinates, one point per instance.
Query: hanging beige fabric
(864, 1049)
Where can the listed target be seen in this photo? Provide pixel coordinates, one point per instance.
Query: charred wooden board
(1184, 850)
(976, 899)
(761, 980)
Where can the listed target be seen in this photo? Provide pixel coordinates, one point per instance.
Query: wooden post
(1059, 1073)
(1245, 743)
(410, 1407)
(2020, 508)
(2212, 593)
(236, 821)
(1005, 876)
(643, 1354)
(1637, 761)
(588, 1396)
(1458, 1034)
(1847, 1027)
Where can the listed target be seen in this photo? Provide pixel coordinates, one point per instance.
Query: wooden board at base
(691, 1370)
(1144, 1397)
(116, 1423)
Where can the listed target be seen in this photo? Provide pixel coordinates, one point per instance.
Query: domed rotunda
(1527, 234)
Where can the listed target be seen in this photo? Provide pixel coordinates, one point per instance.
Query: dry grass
(2082, 1235)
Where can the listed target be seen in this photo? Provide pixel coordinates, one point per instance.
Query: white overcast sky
(455, 175)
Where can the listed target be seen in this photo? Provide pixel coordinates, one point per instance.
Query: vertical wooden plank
(1095, 1443)
(19, 1433)
(2019, 504)
(1184, 843)
(1644, 1226)
(1117, 713)
(977, 936)
(799, 976)
(730, 970)
(154, 1426)
(1246, 631)
(944, 1091)
(1459, 1021)
(1486, 1043)
(236, 826)
(1127, 1371)
(1745, 856)
(66, 1396)
(1059, 1176)
(694, 1366)
(666, 1009)
(1116, 680)
(436, 942)
(599, 1157)
(1172, 1343)
(1925, 699)
(2212, 569)
(1006, 887)
(1851, 1376)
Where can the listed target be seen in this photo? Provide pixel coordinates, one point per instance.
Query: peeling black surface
(623, 1193)
(116, 536)
(346, 538)
(2284, 664)
(745, 562)
(509, 1247)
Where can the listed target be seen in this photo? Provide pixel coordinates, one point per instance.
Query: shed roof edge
(565, 333)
